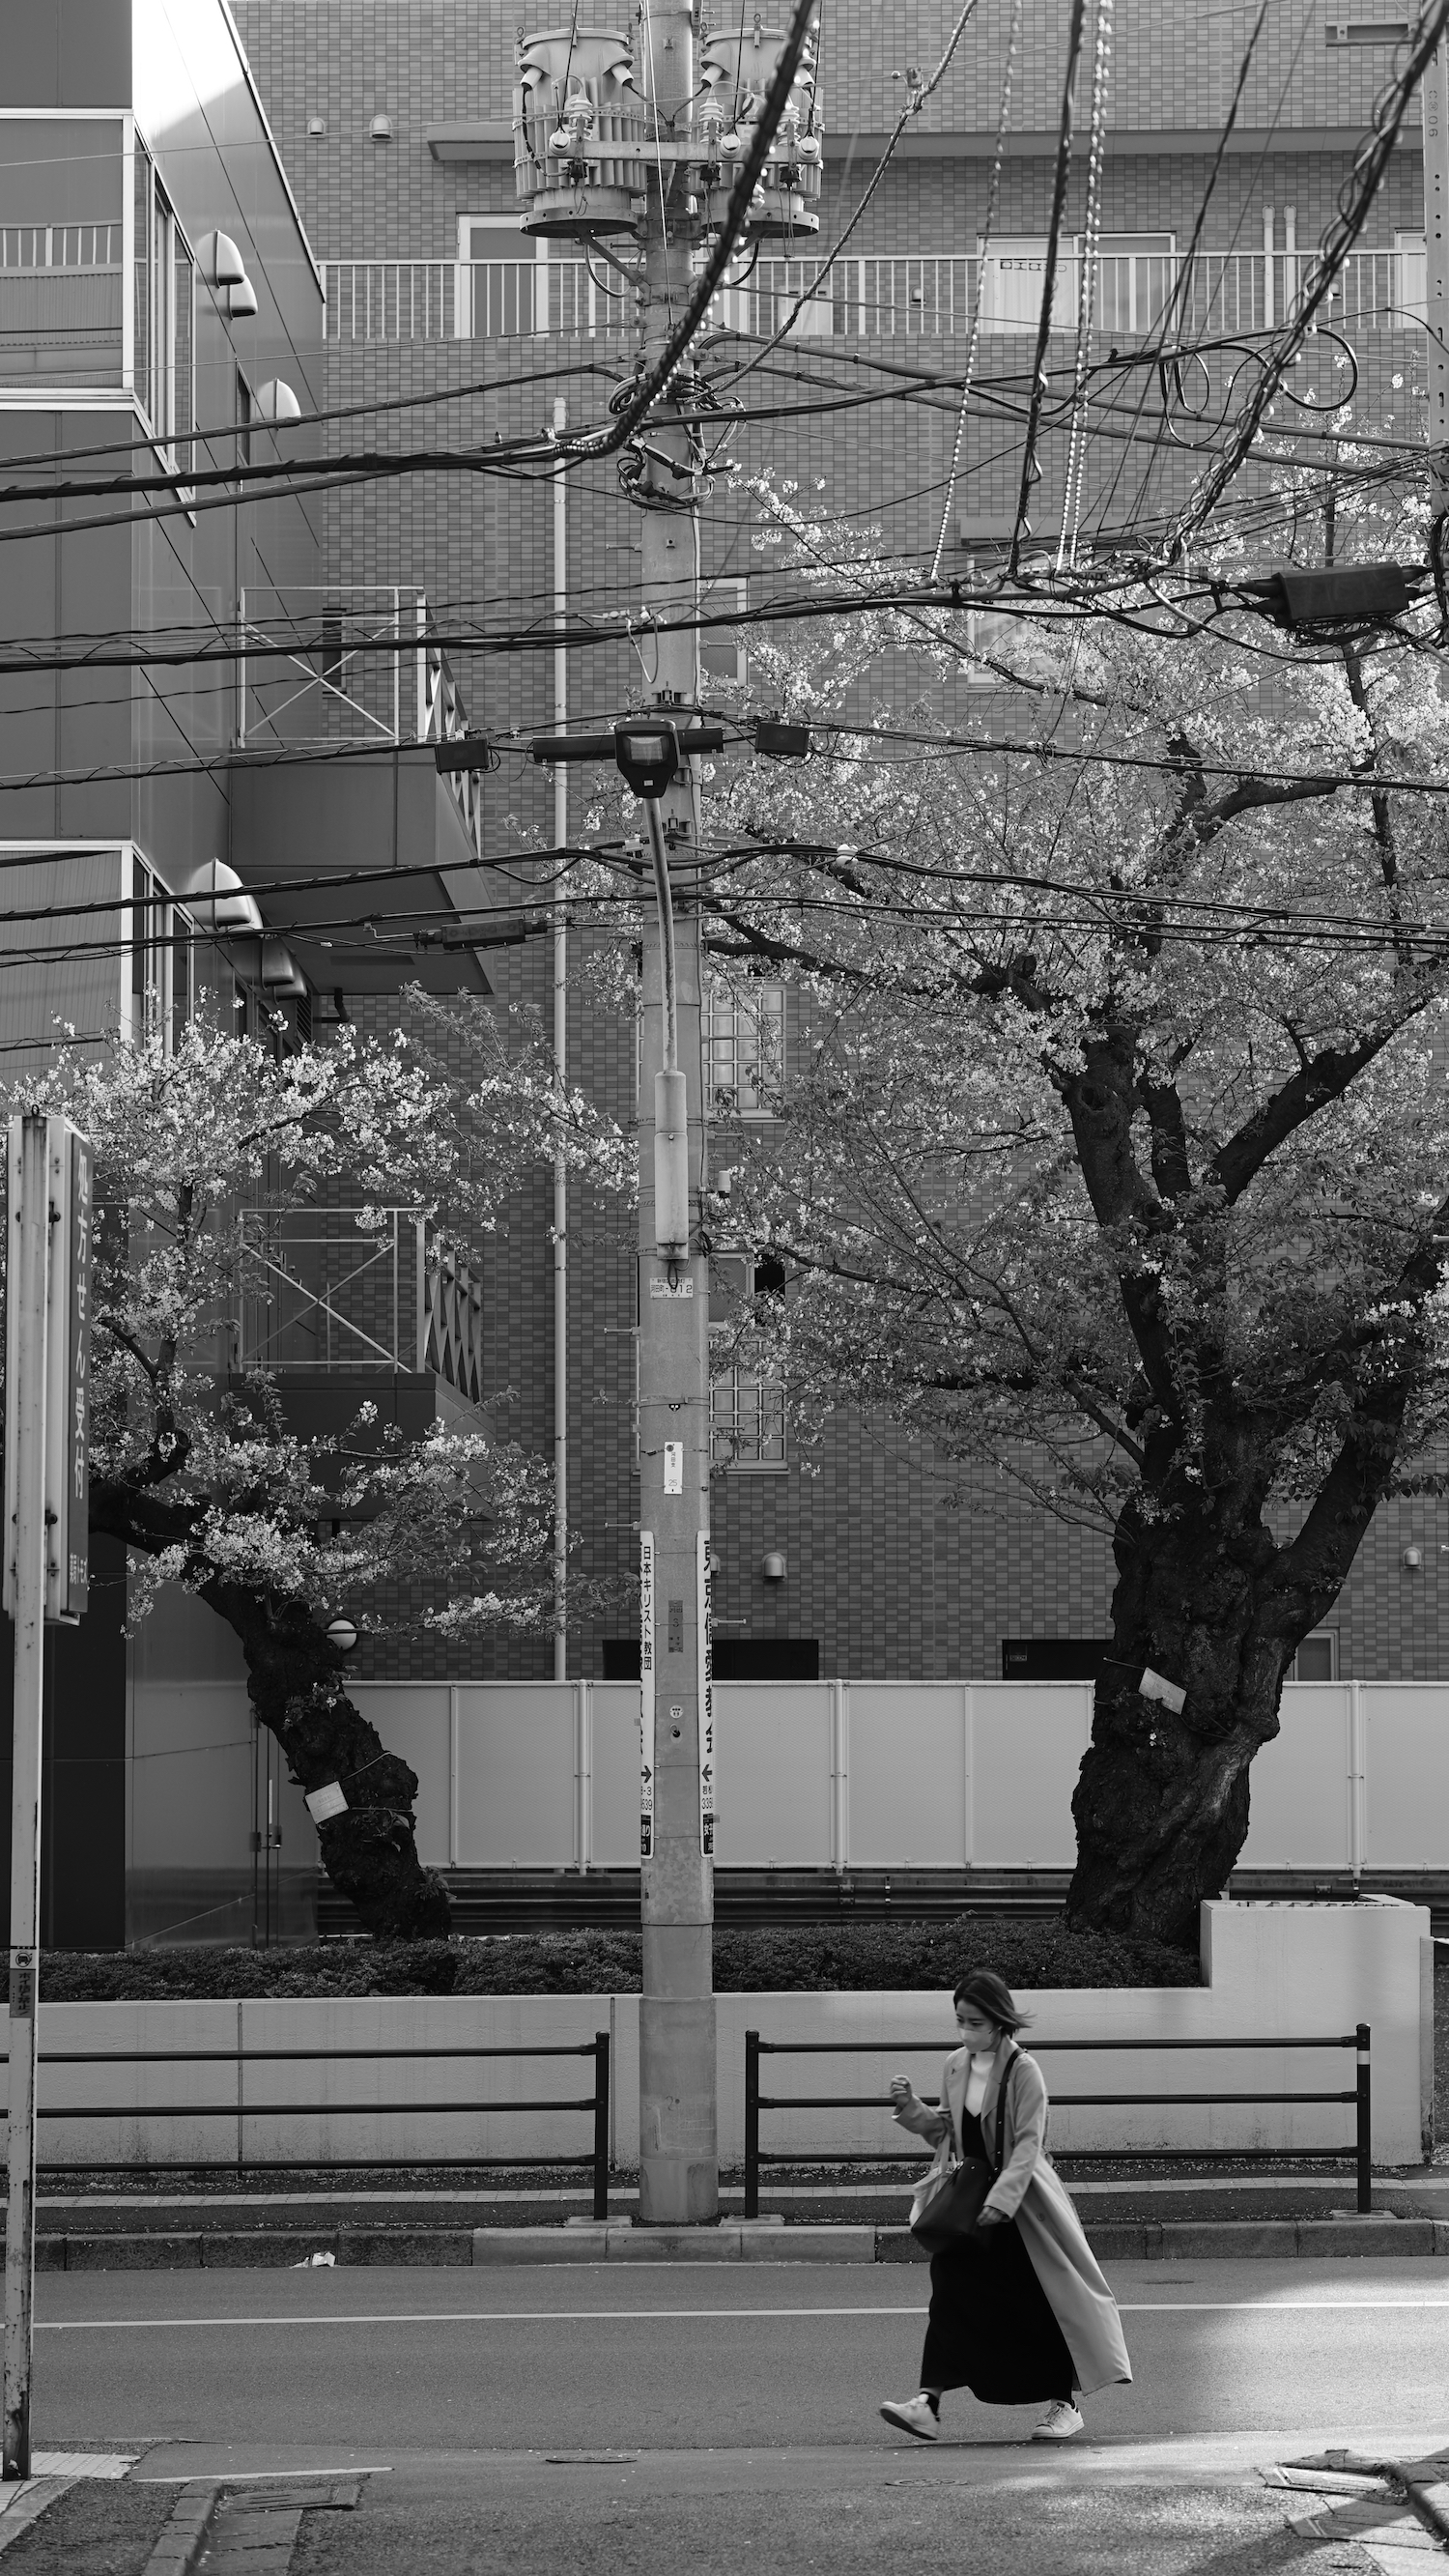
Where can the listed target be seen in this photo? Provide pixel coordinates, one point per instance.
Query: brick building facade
(895, 1564)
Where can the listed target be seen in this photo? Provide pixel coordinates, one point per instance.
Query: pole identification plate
(705, 1642)
(646, 1694)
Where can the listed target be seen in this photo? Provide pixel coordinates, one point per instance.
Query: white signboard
(706, 1698)
(646, 1694)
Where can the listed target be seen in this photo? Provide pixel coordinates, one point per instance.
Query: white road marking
(688, 2316)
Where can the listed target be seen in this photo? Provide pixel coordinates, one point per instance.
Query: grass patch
(852, 1958)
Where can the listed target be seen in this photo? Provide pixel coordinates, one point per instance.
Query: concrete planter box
(1271, 1971)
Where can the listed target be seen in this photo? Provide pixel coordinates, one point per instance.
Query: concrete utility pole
(678, 2144)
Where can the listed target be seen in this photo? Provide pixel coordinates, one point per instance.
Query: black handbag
(951, 2215)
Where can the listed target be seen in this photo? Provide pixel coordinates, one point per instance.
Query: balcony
(334, 1294)
(1222, 294)
(322, 666)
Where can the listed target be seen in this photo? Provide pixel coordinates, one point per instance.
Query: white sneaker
(1062, 2422)
(914, 2415)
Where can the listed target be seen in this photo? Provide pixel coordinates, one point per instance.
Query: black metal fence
(595, 2159)
(755, 2102)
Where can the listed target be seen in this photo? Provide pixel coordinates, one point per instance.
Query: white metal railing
(930, 296)
(376, 673)
(318, 1290)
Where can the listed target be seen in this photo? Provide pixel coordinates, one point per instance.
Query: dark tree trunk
(295, 1683)
(1161, 1805)
(1207, 1598)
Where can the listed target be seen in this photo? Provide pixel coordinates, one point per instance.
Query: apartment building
(396, 124)
(162, 315)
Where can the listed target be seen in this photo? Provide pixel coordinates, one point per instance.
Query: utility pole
(650, 134)
(678, 2143)
(560, 1058)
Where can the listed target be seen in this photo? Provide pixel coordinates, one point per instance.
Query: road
(746, 2401)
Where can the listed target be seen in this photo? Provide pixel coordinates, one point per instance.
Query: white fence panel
(616, 1775)
(910, 1774)
(1029, 1738)
(1300, 1789)
(516, 1776)
(773, 1762)
(1406, 1736)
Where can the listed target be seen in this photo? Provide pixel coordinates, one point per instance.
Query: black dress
(992, 2328)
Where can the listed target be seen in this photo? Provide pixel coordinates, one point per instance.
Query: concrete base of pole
(678, 2142)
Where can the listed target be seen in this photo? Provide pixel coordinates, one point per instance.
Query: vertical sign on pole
(704, 1636)
(646, 1694)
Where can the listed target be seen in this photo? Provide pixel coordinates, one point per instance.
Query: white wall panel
(1028, 1739)
(516, 1775)
(772, 1744)
(910, 1779)
(1299, 1785)
(412, 1720)
(616, 1774)
(1406, 1731)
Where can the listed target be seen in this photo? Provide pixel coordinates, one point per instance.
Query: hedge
(814, 1958)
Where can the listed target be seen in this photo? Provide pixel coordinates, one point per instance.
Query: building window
(746, 1405)
(722, 653)
(1317, 1658)
(164, 372)
(747, 1051)
(162, 993)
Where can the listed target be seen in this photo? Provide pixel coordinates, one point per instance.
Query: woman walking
(1020, 2312)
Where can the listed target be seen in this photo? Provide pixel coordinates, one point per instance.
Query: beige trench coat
(1029, 2190)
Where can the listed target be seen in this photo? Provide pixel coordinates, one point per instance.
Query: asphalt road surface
(744, 2403)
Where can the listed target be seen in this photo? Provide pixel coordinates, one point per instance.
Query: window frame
(163, 346)
(727, 1384)
(1320, 1636)
(724, 998)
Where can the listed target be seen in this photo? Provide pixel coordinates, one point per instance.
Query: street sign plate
(646, 1694)
(705, 1648)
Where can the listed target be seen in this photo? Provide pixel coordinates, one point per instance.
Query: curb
(185, 2532)
(736, 2241)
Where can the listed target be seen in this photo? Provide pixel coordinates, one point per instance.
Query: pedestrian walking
(1020, 2311)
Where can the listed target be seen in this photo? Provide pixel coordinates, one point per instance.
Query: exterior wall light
(381, 128)
(773, 1567)
(1413, 1559)
(276, 401)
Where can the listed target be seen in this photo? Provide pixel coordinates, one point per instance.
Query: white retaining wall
(888, 1775)
(1271, 1970)
(812, 1775)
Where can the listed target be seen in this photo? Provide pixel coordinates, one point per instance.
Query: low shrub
(811, 1958)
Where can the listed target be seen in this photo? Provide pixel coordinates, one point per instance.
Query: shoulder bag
(948, 2206)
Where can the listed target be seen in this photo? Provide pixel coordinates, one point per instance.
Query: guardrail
(756, 2102)
(595, 2158)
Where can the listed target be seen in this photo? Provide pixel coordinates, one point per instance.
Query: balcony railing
(360, 663)
(322, 1290)
(934, 296)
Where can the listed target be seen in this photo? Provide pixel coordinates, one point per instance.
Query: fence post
(752, 2124)
(1363, 2140)
(601, 2124)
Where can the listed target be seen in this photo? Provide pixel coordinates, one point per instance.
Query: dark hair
(991, 1995)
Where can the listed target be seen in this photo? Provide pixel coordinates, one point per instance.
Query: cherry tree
(197, 1469)
(1114, 1149)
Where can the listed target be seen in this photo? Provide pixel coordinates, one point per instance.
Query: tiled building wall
(895, 1562)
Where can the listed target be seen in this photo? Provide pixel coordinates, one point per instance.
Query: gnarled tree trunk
(1210, 1601)
(295, 1684)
